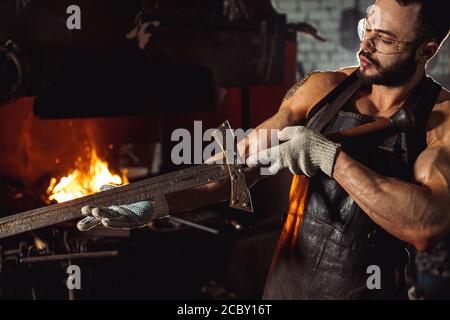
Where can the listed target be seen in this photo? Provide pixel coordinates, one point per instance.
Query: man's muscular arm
(296, 104)
(293, 110)
(416, 213)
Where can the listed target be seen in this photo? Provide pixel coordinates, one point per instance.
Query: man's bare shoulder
(439, 121)
(323, 82)
(315, 86)
(305, 94)
(432, 166)
(348, 70)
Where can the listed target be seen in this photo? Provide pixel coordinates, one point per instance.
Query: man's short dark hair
(433, 19)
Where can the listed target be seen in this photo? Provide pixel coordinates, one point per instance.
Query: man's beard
(392, 76)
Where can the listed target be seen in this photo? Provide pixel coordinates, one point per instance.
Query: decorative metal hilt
(240, 194)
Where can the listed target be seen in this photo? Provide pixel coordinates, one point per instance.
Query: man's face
(390, 22)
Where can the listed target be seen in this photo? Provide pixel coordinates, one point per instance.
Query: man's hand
(304, 152)
(134, 215)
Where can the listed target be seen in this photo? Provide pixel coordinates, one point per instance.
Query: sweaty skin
(416, 213)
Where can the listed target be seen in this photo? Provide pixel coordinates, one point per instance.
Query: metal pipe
(72, 256)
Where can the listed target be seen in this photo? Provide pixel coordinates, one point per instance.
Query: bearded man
(369, 197)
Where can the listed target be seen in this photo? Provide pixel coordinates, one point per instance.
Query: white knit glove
(133, 215)
(304, 152)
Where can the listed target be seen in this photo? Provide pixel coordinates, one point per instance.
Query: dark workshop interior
(101, 102)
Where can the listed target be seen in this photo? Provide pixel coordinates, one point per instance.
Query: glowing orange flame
(84, 180)
(298, 197)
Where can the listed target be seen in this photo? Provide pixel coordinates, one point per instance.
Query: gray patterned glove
(304, 152)
(133, 215)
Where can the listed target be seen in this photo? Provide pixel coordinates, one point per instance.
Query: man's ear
(428, 51)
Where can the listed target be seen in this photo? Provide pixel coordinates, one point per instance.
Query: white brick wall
(325, 15)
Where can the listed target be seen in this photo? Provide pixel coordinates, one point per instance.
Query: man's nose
(367, 45)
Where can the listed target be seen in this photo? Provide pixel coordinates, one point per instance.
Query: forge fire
(87, 178)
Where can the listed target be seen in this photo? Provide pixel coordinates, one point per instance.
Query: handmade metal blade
(240, 195)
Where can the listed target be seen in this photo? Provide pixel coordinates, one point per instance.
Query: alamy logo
(73, 22)
(189, 149)
(74, 278)
(374, 280)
